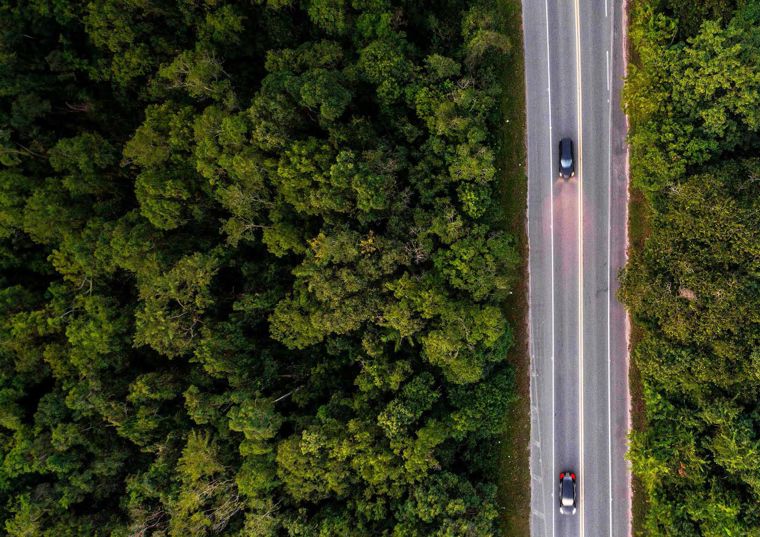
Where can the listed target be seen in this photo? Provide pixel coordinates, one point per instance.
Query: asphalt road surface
(577, 237)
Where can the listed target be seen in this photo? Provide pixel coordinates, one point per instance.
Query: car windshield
(566, 162)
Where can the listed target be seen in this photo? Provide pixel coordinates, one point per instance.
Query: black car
(567, 493)
(566, 160)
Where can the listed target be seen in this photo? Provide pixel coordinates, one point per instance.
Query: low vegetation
(693, 98)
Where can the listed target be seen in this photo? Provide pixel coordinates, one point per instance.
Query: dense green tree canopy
(252, 268)
(694, 287)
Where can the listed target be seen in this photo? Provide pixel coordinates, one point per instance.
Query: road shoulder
(514, 478)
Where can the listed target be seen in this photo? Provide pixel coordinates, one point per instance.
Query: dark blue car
(566, 160)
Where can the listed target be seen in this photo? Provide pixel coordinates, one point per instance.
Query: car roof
(567, 490)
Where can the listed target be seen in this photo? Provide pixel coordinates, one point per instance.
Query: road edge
(638, 229)
(633, 199)
(514, 482)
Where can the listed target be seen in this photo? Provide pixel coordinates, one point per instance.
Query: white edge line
(579, 105)
(551, 229)
(609, 271)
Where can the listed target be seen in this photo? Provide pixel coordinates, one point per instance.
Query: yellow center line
(579, 104)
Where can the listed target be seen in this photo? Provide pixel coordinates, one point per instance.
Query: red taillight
(573, 476)
(562, 475)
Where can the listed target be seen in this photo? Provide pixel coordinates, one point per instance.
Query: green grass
(639, 226)
(639, 216)
(514, 475)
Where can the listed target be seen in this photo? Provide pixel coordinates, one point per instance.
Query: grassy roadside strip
(639, 228)
(639, 214)
(514, 473)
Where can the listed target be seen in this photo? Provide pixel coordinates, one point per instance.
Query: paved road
(576, 229)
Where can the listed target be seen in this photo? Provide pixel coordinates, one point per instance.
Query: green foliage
(252, 271)
(690, 102)
(693, 288)
(691, 15)
(200, 74)
(479, 264)
(85, 158)
(208, 497)
(173, 305)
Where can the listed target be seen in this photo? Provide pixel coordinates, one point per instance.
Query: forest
(693, 99)
(252, 273)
